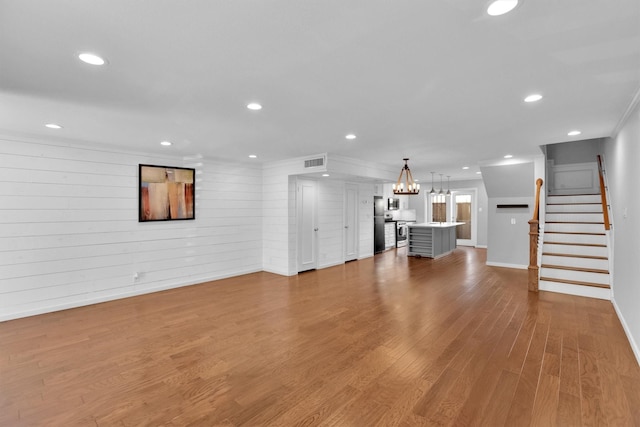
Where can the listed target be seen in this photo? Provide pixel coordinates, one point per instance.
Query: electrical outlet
(136, 276)
(513, 221)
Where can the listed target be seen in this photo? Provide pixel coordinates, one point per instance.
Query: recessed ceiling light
(254, 106)
(166, 143)
(325, 174)
(91, 58)
(500, 7)
(574, 133)
(53, 126)
(478, 173)
(533, 97)
(508, 156)
(350, 136)
(465, 167)
(252, 156)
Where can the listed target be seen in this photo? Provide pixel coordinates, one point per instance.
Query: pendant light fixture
(432, 190)
(406, 184)
(441, 191)
(448, 185)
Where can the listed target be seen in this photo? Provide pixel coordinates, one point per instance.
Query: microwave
(393, 204)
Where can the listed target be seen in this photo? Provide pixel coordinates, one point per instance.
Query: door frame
(474, 214)
(355, 228)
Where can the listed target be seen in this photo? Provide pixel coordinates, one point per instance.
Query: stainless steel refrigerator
(378, 224)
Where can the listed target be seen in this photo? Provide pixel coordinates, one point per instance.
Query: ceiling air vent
(314, 163)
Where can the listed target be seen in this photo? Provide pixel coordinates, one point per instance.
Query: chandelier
(406, 184)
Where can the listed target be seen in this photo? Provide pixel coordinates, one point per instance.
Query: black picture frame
(166, 193)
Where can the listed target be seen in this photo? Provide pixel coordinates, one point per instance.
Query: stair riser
(580, 276)
(575, 250)
(576, 238)
(576, 228)
(591, 198)
(574, 217)
(585, 291)
(600, 264)
(574, 208)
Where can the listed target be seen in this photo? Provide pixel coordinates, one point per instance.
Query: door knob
(346, 226)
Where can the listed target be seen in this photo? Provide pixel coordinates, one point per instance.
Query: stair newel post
(534, 228)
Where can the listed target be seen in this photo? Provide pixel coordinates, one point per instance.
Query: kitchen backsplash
(403, 215)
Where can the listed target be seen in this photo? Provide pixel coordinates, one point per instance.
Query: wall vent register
(314, 163)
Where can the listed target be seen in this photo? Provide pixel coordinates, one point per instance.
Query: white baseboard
(481, 246)
(627, 331)
(331, 264)
(502, 264)
(115, 296)
(279, 272)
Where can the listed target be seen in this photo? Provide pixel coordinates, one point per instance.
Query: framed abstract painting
(166, 193)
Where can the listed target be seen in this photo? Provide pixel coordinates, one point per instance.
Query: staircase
(575, 256)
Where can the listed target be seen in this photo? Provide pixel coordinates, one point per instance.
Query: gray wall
(508, 244)
(622, 155)
(508, 180)
(508, 229)
(565, 153)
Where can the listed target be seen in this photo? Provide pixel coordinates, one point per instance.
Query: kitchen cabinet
(389, 234)
(432, 240)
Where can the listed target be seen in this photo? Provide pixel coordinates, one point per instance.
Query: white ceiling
(437, 81)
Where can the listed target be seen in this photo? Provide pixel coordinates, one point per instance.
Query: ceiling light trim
(502, 7)
(534, 97)
(92, 58)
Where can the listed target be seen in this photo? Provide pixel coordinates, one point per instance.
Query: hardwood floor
(383, 341)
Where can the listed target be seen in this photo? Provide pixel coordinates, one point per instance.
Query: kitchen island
(432, 239)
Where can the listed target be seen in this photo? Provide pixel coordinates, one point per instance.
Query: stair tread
(575, 282)
(572, 195)
(574, 203)
(586, 270)
(575, 232)
(576, 256)
(574, 222)
(576, 244)
(574, 213)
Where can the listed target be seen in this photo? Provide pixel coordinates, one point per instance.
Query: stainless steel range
(402, 233)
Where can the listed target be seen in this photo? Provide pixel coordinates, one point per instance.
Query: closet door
(350, 222)
(307, 212)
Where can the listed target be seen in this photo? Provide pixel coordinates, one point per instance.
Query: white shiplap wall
(69, 233)
(275, 220)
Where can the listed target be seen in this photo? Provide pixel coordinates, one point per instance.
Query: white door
(350, 222)
(307, 213)
(464, 206)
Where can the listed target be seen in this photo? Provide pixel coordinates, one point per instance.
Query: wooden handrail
(603, 195)
(534, 231)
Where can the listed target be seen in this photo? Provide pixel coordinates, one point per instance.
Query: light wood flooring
(383, 341)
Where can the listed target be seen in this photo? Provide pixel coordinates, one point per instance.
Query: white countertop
(436, 224)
